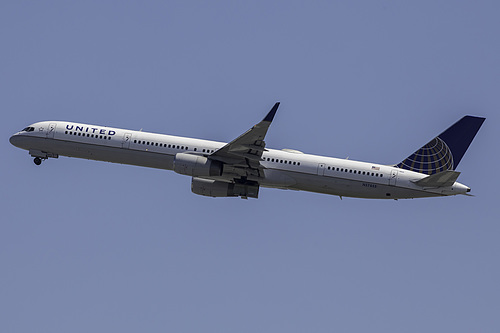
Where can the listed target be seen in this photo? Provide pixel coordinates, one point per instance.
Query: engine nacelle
(196, 165)
(214, 188)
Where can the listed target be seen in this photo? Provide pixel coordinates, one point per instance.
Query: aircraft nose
(15, 140)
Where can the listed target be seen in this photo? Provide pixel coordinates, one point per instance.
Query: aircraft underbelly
(103, 153)
(349, 188)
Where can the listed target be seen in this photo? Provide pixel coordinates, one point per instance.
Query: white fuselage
(285, 169)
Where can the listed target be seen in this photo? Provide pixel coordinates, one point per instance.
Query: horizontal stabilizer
(442, 179)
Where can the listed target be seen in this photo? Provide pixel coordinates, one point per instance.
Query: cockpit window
(28, 129)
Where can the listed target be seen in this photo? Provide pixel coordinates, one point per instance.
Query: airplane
(239, 168)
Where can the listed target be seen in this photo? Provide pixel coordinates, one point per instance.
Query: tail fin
(445, 151)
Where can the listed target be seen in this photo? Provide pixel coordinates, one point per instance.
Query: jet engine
(214, 188)
(196, 165)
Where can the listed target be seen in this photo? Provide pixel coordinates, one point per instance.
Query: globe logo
(432, 158)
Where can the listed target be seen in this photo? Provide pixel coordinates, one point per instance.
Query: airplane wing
(242, 156)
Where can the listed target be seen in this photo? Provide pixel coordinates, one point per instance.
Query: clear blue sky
(92, 246)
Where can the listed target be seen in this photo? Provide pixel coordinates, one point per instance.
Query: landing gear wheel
(37, 160)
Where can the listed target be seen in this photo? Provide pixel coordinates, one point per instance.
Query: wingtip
(270, 115)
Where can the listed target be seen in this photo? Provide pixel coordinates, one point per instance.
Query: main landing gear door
(126, 140)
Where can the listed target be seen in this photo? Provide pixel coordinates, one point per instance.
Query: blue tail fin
(445, 151)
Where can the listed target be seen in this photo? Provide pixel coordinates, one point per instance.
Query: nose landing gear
(39, 156)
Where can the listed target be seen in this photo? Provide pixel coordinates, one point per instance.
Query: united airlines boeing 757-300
(239, 168)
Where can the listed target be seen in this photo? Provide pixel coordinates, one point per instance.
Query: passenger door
(51, 130)
(321, 169)
(393, 178)
(126, 140)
